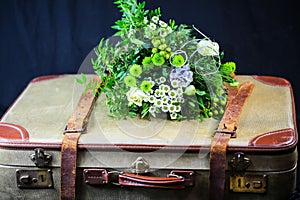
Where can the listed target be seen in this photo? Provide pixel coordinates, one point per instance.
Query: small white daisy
(179, 91)
(173, 115)
(155, 19)
(162, 24)
(162, 79)
(165, 99)
(172, 108)
(152, 27)
(175, 84)
(158, 103)
(166, 88)
(178, 108)
(145, 20)
(165, 108)
(172, 93)
(157, 93)
(152, 109)
(151, 99)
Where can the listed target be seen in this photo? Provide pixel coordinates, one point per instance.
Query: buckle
(232, 133)
(82, 130)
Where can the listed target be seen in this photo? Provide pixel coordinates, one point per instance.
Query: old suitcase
(141, 159)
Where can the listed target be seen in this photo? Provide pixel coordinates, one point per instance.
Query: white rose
(208, 48)
(136, 96)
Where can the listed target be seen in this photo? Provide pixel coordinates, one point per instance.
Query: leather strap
(226, 130)
(75, 127)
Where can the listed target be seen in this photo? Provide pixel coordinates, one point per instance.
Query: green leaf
(200, 93)
(82, 80)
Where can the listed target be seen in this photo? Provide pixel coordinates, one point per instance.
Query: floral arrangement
(156, 68)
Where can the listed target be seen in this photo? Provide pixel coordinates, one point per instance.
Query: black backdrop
(42, 37)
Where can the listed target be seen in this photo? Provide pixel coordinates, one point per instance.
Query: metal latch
(40, 158)
(34, 179)
(140, 166)
(248, 183)
(239, 162)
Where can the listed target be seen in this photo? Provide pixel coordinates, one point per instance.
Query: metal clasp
(248, 183)
(239, 162)
(40, 158)
(34, 179)
(140, 166)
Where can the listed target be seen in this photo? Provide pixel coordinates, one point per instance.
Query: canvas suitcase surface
(142, 159)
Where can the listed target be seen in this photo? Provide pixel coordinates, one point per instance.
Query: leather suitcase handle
(151, 182)
(176, 179)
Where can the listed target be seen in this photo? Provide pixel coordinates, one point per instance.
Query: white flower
(173, 115)
(152, 109)
(169, 30)
(165, 99)
(166, 88)
(178, 108)
(162, 79)
(165, 108)
(190, 90)
(172, 93)
(180, 91)
(157, 93)
(151, 99)
(175, 83)
(172, 108)
(152, 27)
(208, 48)
(162, 24)
(145, 20)
(155, 19)
(163, 33)
(158, 103)
(135, 96)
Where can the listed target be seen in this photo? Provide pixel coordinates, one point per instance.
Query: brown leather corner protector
(272, 80)
(43, 78)
(278, 138)
(9, 132)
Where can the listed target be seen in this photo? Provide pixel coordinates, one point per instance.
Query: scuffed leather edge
(272, 80)
(275, 138)
(9, 131)
(44, 78)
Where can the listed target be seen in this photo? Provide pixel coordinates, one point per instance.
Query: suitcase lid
(39, 116)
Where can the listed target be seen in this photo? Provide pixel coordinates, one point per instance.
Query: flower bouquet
(156, 68)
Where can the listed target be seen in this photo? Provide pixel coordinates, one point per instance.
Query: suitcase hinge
(40, 158)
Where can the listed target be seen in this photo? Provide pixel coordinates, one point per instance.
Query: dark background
(43, 37)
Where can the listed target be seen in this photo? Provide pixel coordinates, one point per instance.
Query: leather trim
(43, 78)
(274, 139)
(146, 147)
(9, 132)
(272, 80)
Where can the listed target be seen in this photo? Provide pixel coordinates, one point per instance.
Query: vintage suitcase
(141, 159)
